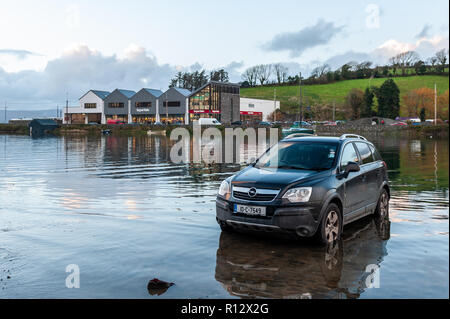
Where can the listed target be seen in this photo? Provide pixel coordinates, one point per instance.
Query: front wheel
(331, 226)
(382, 210)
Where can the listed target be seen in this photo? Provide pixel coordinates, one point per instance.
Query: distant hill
(13, 114)
(327, 93)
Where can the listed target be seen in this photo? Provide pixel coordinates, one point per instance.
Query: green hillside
(327, 93)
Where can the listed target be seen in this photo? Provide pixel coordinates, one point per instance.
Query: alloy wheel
(332, 226)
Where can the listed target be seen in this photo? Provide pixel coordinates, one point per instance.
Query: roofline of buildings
(93, 91)
(214, 82)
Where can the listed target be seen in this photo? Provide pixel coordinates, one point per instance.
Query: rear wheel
(382, 210)
(331, 226)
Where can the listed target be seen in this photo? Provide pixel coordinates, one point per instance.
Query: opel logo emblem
(252, 192)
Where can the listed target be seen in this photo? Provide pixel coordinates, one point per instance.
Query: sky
(53, 50)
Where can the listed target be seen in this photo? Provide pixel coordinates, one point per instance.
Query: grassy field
(327, 93)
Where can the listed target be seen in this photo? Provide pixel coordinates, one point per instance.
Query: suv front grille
(261, 194)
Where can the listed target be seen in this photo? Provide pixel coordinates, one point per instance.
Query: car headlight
(298, 194)
(224, 189)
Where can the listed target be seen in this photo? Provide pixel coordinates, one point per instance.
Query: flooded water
(117, 208)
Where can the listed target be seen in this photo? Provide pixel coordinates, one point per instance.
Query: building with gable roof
(118, 105)
(91, 109)
(144, 105)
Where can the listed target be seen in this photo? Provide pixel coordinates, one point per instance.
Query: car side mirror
(351, 167)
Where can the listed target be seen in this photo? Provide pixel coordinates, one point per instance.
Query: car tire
(330, 228)
(382, 210)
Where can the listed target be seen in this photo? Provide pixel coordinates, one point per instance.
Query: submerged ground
(117, 208)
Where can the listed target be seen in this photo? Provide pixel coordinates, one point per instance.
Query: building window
(143, 104)
(115, 104)
(201, 100)
(172, 103)
(90, 105)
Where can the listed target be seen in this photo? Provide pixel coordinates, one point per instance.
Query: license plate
(250, 210)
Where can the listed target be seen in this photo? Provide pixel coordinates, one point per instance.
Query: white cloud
(425, 47)
(79, 69)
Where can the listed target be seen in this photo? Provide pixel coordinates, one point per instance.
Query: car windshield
(299, 155)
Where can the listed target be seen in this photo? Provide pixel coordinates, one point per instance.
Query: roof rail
(344, 136)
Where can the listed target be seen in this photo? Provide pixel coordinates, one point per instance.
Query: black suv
(307, 186)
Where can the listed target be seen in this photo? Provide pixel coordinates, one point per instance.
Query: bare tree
(406, 59)
(280, 72)
(394, 63)
(251, 75)
(320, 71)
(432, 61)
(441, 57)
(264, 72)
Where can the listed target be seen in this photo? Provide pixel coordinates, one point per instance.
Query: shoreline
(142, 130)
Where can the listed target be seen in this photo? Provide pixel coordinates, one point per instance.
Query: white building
(91, 109)
(255, 110)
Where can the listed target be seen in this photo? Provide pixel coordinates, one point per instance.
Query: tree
(219, 75)
(320, 71)
(279, 116)
(363, 69)
(432, 61)
(354, 102)
(394, 63)
(388, 96)
(405, 59)
(418, 99)
(442, 107)
(346, 70)
(441, 57)
(280, 72)
(264, 71)
(422, 115)
(190, 81)
(250, 75)
(420, 67)
(368, 102)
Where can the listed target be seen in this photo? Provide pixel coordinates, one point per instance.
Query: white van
(208, 121)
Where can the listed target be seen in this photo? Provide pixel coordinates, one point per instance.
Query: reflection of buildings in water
(265, 268)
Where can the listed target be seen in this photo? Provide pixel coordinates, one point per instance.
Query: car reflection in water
(254, 267)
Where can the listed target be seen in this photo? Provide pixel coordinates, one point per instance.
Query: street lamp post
(301, 105)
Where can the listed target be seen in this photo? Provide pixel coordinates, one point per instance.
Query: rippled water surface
(117, 208)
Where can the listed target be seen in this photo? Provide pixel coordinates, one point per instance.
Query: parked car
(306, 186)
(264, 123)
(208, 121)
(301, 123)
(330, 123)
(116, 122)
(236, 123)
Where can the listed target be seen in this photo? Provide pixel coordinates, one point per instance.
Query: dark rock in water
(158, 287)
